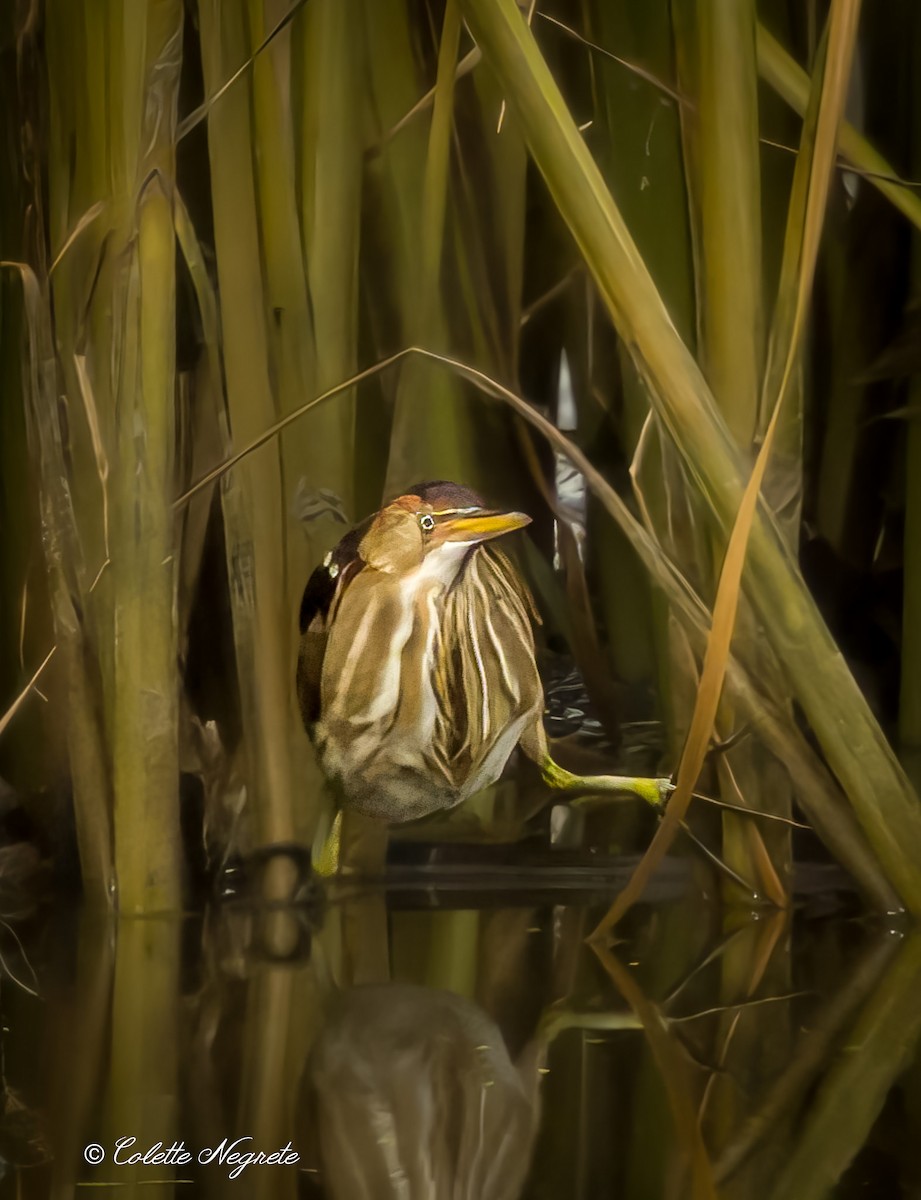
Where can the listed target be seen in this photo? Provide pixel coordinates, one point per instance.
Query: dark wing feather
(325, 585)
(318, 596)
(327, 579)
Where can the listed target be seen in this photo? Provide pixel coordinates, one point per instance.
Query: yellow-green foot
(327, 847)
(599, 789)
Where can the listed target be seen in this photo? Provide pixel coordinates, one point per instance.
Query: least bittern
(416, 675)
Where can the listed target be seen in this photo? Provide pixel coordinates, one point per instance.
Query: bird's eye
(427, 521)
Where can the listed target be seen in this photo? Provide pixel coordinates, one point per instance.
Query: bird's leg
(327, 846)
(594, 789)
(588, 790)
(349, 844)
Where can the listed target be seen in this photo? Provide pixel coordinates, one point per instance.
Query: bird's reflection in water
(410, 1092)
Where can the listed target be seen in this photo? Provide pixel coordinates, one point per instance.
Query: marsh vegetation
(645, 270)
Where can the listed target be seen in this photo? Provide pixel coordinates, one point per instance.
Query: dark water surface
(454, 1036)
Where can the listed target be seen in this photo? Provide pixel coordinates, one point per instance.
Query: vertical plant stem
(144, 706)
(721, 137)
(728, 190)
(145, 744)
(329, 160)
(316, 456)
(252, 496)
(437, 162)
(432, 434)
(638, 143)
(115, 326)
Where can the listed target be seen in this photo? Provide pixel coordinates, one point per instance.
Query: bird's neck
(442, 566)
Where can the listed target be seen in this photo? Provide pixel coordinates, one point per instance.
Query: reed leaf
(784, 485)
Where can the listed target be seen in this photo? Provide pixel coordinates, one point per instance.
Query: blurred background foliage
(213, 212)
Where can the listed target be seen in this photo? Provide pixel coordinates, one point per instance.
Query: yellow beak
(482, 527)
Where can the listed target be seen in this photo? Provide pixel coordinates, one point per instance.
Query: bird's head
(435, 525)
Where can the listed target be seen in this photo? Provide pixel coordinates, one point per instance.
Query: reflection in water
(400, 1050)
(415, 1096)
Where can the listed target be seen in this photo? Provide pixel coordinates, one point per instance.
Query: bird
(416, 675)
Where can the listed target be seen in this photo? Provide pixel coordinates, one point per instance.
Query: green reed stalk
(253, 498)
